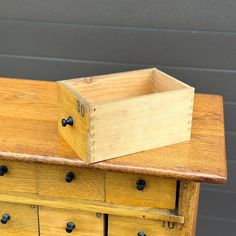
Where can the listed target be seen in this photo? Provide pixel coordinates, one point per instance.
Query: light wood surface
(107, 88)
(158, 192)
(54, 221)
(142, 123)
(129, 112)
(86, 184)
(94, 206)
(28, 132)
(21, 177)
(188, 206)
(128, 226)
(23, 221)
(111, 87)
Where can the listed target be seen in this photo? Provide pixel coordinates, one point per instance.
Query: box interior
(124, 85)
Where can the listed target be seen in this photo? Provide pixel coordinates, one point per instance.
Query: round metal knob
(3, 170)
(69, 177)
(141, 234)
(140, 184)
(68, 121)
(70, 227)
(5, 218)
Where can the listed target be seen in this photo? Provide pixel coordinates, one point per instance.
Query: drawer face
(20, 177)
(54, 222)
(128, 226)
(86, 184)
(23, 220)
(75, 135)
(138, 190)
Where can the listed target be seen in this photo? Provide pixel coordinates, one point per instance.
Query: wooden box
(107, 116)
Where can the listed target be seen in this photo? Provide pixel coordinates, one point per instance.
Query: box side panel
(147, 122)
(77, 135)
(108, 88)
(85, 80)
(163, 82)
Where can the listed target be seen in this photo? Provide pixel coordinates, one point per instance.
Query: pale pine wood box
(123, 113)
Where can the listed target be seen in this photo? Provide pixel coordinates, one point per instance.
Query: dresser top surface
(28, 132)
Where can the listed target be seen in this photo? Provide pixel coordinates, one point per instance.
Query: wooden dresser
(45, 189)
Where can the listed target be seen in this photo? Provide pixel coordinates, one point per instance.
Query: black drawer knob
(69, 177)
(140, 184)
(141, 234)
(3, 170)
(68, 121)
(70, 227)
(5, 218)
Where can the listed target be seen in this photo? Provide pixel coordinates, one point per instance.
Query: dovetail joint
(91, 136)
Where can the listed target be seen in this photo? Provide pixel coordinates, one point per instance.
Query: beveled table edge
(179, 175)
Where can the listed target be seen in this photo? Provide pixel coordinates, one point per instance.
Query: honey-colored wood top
(28, 132)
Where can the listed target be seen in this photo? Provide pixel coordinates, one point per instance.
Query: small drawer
(108, 116)
(71, 182)
(17, 219)
(139, 190)
(63, 222)
(17, 177)
(129, 226)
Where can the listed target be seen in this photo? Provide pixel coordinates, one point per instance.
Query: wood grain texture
(85, 185)
(78, 134)
(159, 120)
(54, 221)
(33, 105)
(188, 206)
(110, 87)
(158, 192)
(94, 206)
(130, 226)
(24, 220)
(133, 111)
(21, 177)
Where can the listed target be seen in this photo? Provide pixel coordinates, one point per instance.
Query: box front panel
(17, 219)
(129, 226)
(17, 177)
(63, 222)
(75, 115)
(70, 182)
(140, 190)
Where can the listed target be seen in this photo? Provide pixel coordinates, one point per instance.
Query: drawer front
(128, 226)
(17, 177)
(147, 191)
(62, 222)
(17, 219)
(74, 132)
(71, 182)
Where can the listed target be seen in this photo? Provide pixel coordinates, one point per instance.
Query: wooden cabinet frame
(29, 134)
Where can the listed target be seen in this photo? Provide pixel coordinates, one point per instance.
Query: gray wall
(194, 41)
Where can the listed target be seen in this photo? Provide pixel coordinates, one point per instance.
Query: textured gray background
(194, 41)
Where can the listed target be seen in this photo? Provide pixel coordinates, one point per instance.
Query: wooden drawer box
(70, 182)
(17, 177)
(128, 226)
(147, 191)
(113, 115)
(61, 222)
(17, 219)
